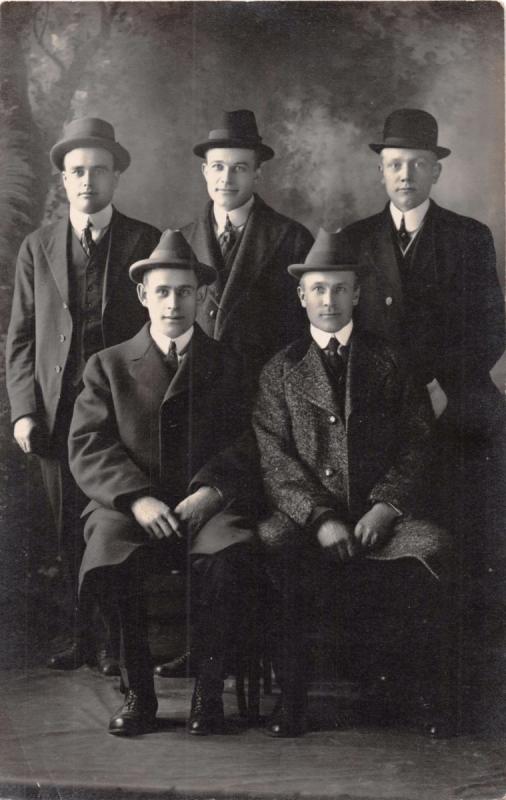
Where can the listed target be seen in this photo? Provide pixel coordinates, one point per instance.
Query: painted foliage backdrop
(321, 78)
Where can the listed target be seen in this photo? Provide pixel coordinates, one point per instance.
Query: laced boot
(207, 714)
(137, 715)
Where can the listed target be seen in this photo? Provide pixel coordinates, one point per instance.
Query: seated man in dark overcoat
(145, 443)
(345, 440)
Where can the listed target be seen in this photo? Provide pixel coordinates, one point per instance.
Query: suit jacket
(136, 431)
(41, 326)
(257, 310)
(450, 313)
(311, 457)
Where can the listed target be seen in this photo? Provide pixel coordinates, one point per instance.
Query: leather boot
(288, 718)
(206, 715)
(137, 715)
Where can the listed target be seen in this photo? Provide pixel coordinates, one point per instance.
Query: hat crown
(411, 123)
(239, 124)
(92, 127)
(331, 249)
(173, 247)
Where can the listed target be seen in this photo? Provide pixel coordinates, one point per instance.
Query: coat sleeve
(99, 462)
(405, 483)
(289, 485)
(20, 347)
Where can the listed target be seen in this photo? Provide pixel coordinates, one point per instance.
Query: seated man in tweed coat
(148, 429)
(345, 442)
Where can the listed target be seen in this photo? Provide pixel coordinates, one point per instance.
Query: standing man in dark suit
(145, 443)
(433, 289)
(72, 297)
(344, 439)
(249, 244)
(249, 306)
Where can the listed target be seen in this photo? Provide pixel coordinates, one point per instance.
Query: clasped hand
(161, 522)
(343, 541)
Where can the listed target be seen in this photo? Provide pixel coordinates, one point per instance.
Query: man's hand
(155, 517)
(375, 526)
(24, 429)
(198, 507)
(336, 538)
(438, 397)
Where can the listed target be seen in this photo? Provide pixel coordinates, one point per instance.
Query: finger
(343, 551)
(173, 522)
(154, 531)
(374, 538)
(165, 527)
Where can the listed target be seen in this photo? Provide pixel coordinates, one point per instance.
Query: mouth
(87, 194)
(172, 319)
(407, 189)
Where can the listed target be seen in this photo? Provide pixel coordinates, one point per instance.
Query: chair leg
(240, 691)
(267, 675)
(254, 690)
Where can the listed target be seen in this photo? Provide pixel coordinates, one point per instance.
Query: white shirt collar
(99, 221)
(413, 219)
(238, 216)
(322, 338)
(163, 341)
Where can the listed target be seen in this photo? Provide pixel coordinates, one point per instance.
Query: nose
(172, 300)
(226, 174)
(328, 299)
(87, 178)
(406, 172)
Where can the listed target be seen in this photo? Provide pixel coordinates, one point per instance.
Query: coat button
(388, 301)
(62, 337)
(332, 419)
(64, 305)
(57, 368)
(329, 472)
(212, 313)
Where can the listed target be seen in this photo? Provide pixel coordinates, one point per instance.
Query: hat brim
(297, 270)
(205, 274)
(60, 150)
(265, 153)
(441, 152)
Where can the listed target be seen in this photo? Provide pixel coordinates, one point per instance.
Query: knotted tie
(227, 238)
(87, 242)
(335, 357)
(171, 358)
(404, 236)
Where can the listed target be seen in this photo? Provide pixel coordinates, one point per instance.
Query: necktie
(87, 242)
(171, 358)
(333, 357)
(404, 236)
(227, 238)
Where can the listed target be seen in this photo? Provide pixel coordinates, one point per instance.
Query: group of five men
(169, 426)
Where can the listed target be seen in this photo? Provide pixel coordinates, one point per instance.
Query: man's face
(408, 175)
(328, 298)
(89, 178)
(171, 296)
(231, 174)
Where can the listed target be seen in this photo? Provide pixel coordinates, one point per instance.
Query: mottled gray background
(320, 77)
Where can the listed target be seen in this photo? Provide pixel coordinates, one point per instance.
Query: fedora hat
(89, 132)
(413, 128)
(236, 129)
(173, 251)
(330, 252)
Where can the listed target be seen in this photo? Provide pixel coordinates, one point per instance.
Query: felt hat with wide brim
(173, 251)
(89, 132)
(236, 129)
(411, 128)
(330, 252)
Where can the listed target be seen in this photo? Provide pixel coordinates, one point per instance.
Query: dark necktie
(87, 242)
(335, 355)
(171, 359)
(227, 238)
(404, 236)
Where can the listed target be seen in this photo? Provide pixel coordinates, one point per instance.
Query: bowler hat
(89, 132)
(173, 251)
(236, 129)
(413, 128)
(330, 252)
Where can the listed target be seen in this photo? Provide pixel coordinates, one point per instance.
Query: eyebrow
(179, 286)
(230, 163)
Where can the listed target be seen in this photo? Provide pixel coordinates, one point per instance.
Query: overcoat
(312, 457)
(41, 327)
(449, 313)
(136, 431)
(253, 307)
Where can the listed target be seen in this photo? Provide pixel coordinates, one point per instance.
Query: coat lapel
(366, 373)
(380, 256)
(147, 369)
(203, 241)
(258, 243)
(55, 249)
(309, 378)
(195, 369)
(122, 243)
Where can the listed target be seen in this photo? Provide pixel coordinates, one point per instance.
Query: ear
(302, 296)
(201, 293)
(203, 168)
(356, 295)
(116, 178)
(141, 293)
(380, 170)
(437, 169)
(258, 173)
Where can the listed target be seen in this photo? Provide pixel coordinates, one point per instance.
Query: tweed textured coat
(136, 431)
(41, 327)
(252, 306)
(450, 312)
(380, 451)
